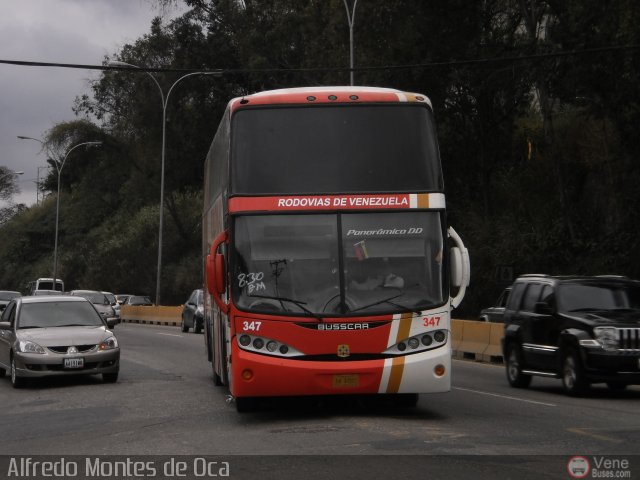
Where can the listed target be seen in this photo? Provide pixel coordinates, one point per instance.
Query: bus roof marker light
(311, 98)
(353, 97)
(332, 97)
(244, 101)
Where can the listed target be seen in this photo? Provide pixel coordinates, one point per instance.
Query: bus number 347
(431, 321)
(251, 326)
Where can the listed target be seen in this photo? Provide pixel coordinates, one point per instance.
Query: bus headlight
(419, 343)
(266, 346)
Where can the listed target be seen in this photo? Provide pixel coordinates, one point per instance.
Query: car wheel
(515, 377)
(573, 378)
(616, 386)
(110, 377)
(184, 327)
(2, 372)
(16, 381)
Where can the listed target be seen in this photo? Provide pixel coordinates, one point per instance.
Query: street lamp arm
(22, 137)
(71, 150)
(125, 64)
(351, 16)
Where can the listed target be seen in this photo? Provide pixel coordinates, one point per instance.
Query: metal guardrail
(471, 339)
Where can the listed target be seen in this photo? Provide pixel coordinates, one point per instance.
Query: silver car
(56, 335)
(99, 301)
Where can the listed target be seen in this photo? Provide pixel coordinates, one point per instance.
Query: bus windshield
(334, 149)
(292, 264)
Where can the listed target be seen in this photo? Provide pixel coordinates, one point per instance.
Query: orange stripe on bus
(423, 200)
(397, 365)
(405, 326)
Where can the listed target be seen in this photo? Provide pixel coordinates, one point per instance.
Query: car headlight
(108, 344)
(607, 337)
(26, 346)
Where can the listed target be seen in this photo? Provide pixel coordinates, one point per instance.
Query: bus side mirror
(456, 267)
(216, 274)
(459, 267)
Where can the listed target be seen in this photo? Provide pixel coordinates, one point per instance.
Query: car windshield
(111, 298)
(574, 297)
(139, 301)
(9, 295)
(392, 262)
(93, 297)
(58, 314)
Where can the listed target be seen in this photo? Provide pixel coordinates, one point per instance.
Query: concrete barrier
(477, 340)
(151, 315)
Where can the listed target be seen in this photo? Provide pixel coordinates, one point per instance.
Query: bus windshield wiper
(295, 302)
(388, 300)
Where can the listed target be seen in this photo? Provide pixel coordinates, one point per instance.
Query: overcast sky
(34, 99)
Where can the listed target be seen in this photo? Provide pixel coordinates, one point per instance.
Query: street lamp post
(59, 170)
(165, 101)
(351, 18)
(22, 137)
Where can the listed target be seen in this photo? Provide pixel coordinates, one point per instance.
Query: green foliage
(540, 155)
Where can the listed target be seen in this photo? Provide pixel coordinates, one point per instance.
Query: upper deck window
(334, 149)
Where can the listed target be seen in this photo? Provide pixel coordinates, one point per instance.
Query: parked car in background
(99, 301)
(44, 284)
(138, 300)
(122, 297)
(6, 296)
(114, 304)
(43, 336)
(496, 313)
(581, 330)
(39, 293)
(193, 312)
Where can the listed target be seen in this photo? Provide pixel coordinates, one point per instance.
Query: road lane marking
(604, 438)
(168, 334)
(506, 397)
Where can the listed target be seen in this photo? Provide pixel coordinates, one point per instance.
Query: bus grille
(629, 339)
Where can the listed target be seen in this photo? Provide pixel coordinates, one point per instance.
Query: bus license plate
(73, 362)
(341, 381)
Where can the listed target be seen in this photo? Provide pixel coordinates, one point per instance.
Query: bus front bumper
(256, 375)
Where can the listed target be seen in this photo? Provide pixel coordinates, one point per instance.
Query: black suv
(581, 329)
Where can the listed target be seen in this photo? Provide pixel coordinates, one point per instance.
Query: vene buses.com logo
(578, 467)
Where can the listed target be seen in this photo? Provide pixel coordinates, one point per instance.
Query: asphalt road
(165, 403)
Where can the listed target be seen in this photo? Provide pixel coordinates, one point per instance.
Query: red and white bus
(327, 257)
